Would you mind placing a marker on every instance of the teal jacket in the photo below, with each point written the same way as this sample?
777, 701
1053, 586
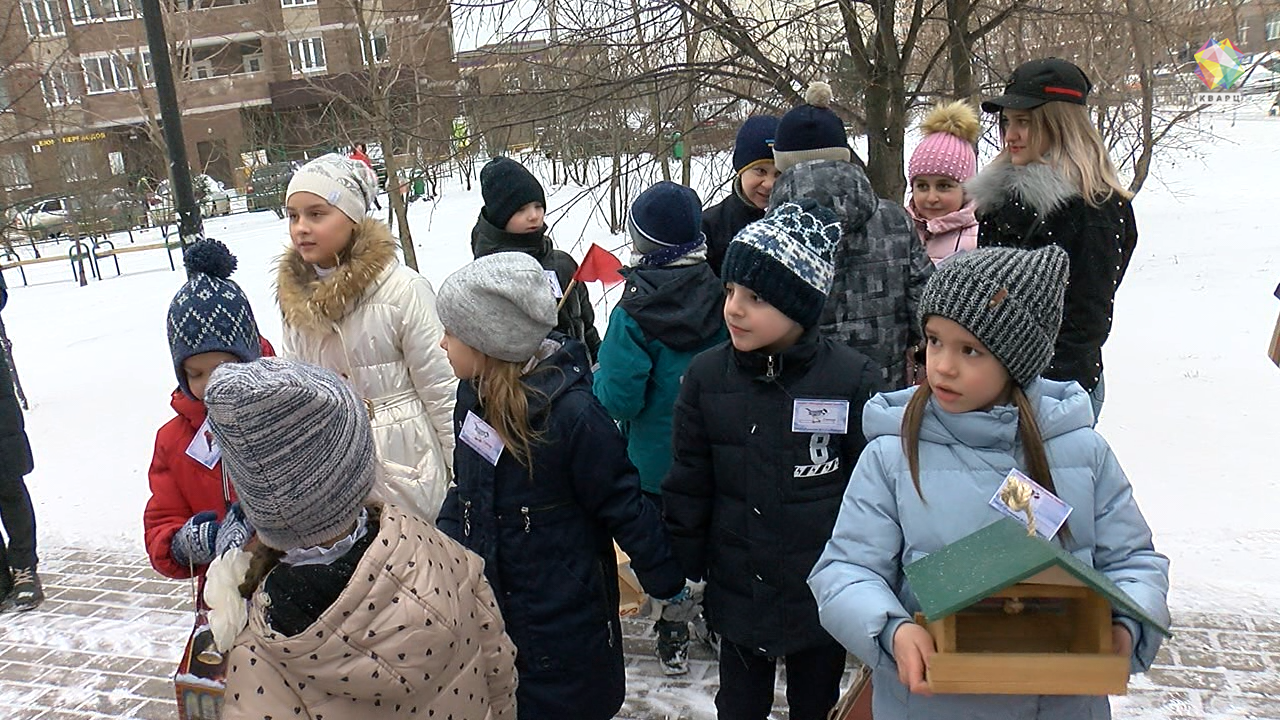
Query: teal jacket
667, 315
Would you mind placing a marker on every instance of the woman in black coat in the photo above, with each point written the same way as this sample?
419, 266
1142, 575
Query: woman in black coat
19, 585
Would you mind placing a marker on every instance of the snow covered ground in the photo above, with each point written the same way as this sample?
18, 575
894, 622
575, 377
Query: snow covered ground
1193, 403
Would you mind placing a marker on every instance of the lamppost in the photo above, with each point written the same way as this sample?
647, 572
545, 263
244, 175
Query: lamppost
190, 226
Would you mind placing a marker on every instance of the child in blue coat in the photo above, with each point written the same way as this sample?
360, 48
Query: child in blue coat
543, 489
939, 452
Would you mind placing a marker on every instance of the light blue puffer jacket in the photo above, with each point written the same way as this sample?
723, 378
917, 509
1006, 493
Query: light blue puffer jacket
883, 525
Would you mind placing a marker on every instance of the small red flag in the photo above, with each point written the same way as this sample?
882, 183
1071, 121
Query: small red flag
599, 264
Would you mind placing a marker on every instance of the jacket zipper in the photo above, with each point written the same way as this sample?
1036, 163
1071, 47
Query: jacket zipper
466, 518
772, 372
524, 510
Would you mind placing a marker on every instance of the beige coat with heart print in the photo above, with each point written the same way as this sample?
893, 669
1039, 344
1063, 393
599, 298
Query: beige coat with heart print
416, 630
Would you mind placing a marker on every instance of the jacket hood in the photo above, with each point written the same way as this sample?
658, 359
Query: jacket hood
1038, 185
562, 364
314, 304
839, 186
680, 306
958, 220
1061, 407
487, 239
357, 647
193, 411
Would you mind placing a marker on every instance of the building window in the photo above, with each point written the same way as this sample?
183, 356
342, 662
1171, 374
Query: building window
86, 11
116, 72
379, 43
253, 63
201, 69
13, 172
42, 18
292, 3
76, 163
307, 55
1273, 26
6, 102
57, 88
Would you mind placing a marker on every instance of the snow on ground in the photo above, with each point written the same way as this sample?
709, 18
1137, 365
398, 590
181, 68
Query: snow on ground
1193, 401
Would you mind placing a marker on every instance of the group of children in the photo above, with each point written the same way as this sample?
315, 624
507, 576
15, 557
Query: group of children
761, 481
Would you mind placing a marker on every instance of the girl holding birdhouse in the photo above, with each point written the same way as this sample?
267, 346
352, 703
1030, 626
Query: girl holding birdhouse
937, 458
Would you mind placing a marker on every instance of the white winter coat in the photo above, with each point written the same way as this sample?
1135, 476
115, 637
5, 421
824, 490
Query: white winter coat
374, 321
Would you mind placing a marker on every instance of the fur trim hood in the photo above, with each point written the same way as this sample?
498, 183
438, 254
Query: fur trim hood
314, 304
1038, 185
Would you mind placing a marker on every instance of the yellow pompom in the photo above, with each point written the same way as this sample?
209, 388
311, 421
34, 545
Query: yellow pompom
954, 118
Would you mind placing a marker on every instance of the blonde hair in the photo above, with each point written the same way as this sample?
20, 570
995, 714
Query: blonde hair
505, 399
1069, 143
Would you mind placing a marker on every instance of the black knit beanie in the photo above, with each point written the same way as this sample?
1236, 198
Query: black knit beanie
507, 186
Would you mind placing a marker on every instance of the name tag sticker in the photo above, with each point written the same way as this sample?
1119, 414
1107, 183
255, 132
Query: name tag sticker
554, 281
481, 437
1049, 510
820, 416
203, 448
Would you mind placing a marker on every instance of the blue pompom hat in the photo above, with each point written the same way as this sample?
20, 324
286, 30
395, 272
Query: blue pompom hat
210, 313
787, 258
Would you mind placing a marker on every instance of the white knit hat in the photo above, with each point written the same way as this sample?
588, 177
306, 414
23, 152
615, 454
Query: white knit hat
346, 184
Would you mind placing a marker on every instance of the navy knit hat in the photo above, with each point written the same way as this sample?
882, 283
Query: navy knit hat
1010, 299
754, 143
210, 313
665, 223
786, 258
811, 131
507, 186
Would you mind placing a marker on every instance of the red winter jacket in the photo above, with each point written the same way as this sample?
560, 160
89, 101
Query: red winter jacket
180, 485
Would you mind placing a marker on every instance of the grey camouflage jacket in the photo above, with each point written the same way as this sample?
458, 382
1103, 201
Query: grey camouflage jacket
880, 265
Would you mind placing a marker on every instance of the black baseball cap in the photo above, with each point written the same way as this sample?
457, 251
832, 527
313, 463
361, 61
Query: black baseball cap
1037, 82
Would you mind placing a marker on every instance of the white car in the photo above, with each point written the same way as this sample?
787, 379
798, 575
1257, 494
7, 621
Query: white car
42, 219
212, 196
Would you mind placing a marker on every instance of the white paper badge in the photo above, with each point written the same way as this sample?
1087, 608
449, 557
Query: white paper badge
1050, 511
820, 416
203, 448
481, 437
554, 281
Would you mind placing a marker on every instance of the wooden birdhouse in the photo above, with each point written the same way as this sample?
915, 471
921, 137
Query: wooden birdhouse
1013, 614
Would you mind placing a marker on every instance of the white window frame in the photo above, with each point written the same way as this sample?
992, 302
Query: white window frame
201, 69
112, 73
374, 37
13, 172
307, 55
252, 59
6, 100
55, 84
296, 3
91, 11
75, 160
1273, 26
43, 18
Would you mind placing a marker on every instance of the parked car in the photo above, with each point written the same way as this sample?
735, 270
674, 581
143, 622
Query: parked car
266, 187
211, 196
40, 219
109, 210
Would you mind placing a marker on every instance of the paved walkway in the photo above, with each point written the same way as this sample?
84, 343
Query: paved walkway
105, 643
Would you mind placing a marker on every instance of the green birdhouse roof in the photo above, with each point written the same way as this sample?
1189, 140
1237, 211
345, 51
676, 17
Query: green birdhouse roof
996, 557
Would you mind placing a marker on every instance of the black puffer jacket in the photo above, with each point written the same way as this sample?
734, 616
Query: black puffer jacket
751, 504
1035, 206
577, 317
722, 221
15, 451
547, 540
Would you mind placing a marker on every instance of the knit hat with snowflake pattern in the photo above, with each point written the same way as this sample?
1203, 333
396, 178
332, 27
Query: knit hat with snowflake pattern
210, 313
786, 258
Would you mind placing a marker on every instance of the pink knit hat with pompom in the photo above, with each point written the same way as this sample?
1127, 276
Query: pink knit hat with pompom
947, 149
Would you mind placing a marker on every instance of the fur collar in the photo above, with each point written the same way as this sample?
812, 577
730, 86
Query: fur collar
1038, 185
313, 304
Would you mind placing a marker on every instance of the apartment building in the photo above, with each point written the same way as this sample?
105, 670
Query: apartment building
257, 81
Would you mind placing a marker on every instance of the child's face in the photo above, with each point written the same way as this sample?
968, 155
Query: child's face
466, 361
757, 183
198, 368
936, 195
755, 324
319, 231
527, 219
963, 374
1015, 129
